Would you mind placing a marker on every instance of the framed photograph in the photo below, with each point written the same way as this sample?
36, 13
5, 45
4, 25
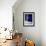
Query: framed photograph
29, 19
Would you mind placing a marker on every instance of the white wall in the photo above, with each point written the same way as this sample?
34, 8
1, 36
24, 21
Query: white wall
43, 22
6, 13
33, 33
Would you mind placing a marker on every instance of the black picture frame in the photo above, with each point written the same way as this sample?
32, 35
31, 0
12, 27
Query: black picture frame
28, 19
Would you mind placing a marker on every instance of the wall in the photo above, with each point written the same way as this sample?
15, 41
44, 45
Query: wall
6, 13
32, 33
43, 22
6, 16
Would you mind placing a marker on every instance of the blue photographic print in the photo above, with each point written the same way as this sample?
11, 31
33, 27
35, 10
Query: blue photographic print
28, 17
